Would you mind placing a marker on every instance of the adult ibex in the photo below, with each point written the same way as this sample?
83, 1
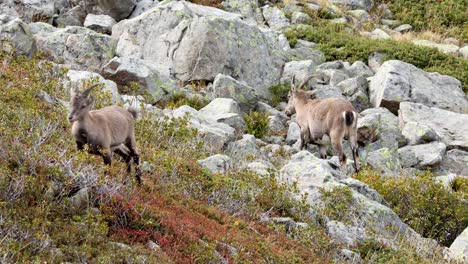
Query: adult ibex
109, 129
335, 118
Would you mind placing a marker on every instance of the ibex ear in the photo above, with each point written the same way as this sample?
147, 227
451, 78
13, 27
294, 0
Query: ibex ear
310, 94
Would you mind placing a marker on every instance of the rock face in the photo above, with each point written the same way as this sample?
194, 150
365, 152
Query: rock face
78, 47
398, 81
124, 71
192, 42
18, 34
449, 126
455, 161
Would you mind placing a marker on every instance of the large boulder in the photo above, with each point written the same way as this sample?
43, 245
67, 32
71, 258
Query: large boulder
398, 81
143, 6
449, 126
379, 128
385, 161
422, 156
192, 42
18, 36
275, 18
355, 90
455, 161
243, 150
217, 163
418, 133
227, 87
73, 17
224, 110
77, 47
214, 134
124, 71
36, 10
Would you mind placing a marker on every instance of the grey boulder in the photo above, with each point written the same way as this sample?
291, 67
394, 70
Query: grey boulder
398, 81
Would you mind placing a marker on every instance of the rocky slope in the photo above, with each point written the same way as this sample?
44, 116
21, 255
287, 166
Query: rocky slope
411, 120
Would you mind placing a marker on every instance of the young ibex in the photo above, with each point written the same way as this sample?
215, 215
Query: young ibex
105, 130
333, 118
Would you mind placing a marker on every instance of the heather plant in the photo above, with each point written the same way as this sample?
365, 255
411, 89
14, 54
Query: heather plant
256, 123
432, 211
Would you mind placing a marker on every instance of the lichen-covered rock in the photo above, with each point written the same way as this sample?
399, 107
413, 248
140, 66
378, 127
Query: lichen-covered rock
398, 81
344, 234
449, 126
124, 71
299, 69
18, 35
36, 10
275, 18
225, 110
217, 163
418, 133
100, 23
379, 34
192, 42
305, 53
227, 87
301, 18
82, 79
73, 17
359, 68
375, 60
379, 128
38, 27
294, 133
77, 47
355, 90
214, 134
249, 9
422, 156
360, 14
244, 150
384, 161
261, 168
403, 28
455, 161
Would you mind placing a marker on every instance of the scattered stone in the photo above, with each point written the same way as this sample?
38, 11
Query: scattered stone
82, 79
384, 161
217, 163
100, 23
227, 87
275, 18
360, 14
403, 28
458, 251
445, 48
379, 34
418, 133
301, 18
18, 34
73, 17
225, 110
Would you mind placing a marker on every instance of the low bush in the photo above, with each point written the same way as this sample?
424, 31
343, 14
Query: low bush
423, 204
336, 44
256, 123
279, 93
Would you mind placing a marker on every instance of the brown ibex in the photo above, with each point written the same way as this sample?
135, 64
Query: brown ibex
109, 129
318, 119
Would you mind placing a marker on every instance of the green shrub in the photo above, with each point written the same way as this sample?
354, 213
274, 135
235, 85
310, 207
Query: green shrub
256, 123
423, 204
336, 44
279, 93
180, 99
448, 17
337, 202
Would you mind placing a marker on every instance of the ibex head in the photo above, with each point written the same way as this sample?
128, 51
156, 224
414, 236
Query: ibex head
297, 93
80, 104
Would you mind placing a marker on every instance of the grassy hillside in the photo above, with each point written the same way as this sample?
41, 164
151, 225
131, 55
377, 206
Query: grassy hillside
189, 212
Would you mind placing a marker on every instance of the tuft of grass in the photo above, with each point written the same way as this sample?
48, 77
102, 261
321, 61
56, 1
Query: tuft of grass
337, 202
431, 211
337, 44
256, 123
279, 93
180, 99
